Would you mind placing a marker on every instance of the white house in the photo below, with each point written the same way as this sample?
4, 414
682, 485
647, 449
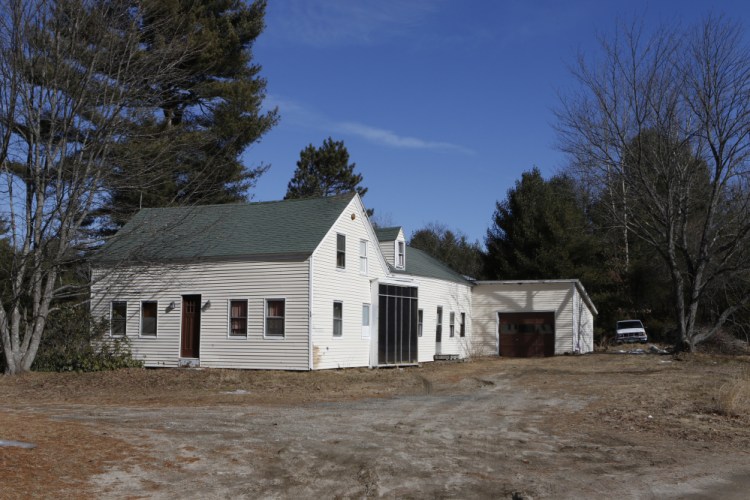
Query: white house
298, 285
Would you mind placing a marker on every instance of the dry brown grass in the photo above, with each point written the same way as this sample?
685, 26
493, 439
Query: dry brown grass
67, 454
722, 342
733, 397
698, 400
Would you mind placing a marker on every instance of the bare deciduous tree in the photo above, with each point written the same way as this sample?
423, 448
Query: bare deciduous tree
661, 127
73, 84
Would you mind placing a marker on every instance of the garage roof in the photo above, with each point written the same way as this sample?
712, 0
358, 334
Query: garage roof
575, 282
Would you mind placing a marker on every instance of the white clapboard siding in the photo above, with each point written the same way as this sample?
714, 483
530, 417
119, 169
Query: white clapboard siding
217, 282
560, 297
348, 286
453, 297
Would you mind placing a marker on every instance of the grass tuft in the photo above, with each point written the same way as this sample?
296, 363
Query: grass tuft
733, 398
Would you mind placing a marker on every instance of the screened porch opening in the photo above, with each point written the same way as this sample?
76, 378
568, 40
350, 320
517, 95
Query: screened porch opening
397, 324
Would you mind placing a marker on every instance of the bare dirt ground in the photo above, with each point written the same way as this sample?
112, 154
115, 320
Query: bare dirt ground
595, 426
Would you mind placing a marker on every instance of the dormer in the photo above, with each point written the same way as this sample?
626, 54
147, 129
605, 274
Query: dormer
392, 245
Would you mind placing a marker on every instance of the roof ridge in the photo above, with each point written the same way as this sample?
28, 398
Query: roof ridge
283, 227
254, 203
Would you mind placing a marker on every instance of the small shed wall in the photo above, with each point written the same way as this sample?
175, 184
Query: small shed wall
561, 298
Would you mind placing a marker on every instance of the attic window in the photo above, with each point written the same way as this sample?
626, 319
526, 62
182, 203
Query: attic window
363, 256
400, 257
340, 251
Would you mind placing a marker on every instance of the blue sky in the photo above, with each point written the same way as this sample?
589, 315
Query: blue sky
442, 104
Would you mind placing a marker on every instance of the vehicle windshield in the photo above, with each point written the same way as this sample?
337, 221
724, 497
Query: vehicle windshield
621, 325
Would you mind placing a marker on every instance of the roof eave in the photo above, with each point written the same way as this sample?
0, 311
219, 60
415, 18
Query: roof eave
276, 257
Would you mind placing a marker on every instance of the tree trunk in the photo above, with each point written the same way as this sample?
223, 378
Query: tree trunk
20, 347
626, 245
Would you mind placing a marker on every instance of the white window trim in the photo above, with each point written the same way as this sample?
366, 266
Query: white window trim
111, 317
140, 320
364, 258
369, 319
451, 324
340, 268
333, 318
462, 325
247, 320
439, 321
265, 312
420, 333
396, 253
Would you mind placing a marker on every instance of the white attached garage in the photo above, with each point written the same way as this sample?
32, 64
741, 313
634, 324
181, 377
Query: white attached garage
532, 318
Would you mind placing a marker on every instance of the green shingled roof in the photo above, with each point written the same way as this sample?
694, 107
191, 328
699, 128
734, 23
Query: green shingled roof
277, 228
419, 263
387, 233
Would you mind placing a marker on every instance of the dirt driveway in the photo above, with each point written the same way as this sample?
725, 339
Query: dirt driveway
597, 426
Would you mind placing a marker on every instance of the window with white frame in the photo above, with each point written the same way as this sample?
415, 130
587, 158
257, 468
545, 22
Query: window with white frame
363, 256
148, 318
462, 326
439, 325
274, 318
338, 319
238, 318
452, 324
365, 320
118, 319
400, 254
420, 322
340, 251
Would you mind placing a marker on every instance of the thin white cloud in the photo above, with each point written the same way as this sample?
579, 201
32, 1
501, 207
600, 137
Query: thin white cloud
325, 23
390, 138
293, 112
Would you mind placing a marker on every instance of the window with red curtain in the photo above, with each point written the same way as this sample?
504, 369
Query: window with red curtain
238, 318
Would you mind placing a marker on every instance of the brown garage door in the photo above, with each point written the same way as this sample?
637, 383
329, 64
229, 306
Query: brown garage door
524, 335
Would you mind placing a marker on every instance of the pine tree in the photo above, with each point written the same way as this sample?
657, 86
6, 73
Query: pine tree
453, 248
199, 131
324, 171
540, 231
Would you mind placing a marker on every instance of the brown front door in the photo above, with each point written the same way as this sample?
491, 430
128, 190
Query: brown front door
191, 326
524, 335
